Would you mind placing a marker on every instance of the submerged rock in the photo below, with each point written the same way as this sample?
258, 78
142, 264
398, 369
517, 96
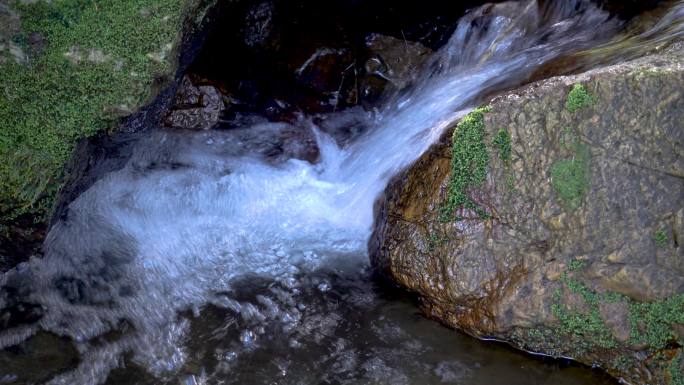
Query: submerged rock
37, 359
558, 226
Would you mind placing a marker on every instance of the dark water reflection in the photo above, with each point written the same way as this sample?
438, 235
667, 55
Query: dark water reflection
337, 327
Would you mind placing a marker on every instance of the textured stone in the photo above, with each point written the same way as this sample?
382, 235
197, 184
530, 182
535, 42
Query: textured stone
196, 107
512, 275
392, 65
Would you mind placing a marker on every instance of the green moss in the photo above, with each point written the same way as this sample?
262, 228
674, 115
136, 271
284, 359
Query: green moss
675, 369
612, 297
581, 329
98, 64
434, 241
622, 363
652, 322
576, 264
469, 163
502, 141
540, 339
589, 326
568, 136
570, 177
578, 98
586, 324
660, 238
510, 181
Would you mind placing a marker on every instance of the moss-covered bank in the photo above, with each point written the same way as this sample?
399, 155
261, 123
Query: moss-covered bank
70, 69
97, 61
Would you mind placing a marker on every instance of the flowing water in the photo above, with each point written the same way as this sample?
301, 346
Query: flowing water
206, 259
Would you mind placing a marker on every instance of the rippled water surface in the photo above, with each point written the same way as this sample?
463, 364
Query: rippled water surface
349, 330
221, 257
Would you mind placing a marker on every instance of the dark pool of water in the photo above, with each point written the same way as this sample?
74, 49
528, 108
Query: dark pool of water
343, 328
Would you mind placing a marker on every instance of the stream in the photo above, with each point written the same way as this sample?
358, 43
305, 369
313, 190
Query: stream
208, 260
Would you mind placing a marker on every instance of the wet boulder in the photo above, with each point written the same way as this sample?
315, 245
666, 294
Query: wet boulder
329, 73
569, 242
195, 107
275, 143
392, 65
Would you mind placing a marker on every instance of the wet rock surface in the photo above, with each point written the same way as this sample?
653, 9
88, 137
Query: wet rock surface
313, 57
392, 65
195, 107
571, 246
37, 359
324, 73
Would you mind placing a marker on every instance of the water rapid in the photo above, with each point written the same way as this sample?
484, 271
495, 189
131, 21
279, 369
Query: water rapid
204, 246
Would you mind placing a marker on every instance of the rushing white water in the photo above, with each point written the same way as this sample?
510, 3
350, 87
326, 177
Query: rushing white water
192, 212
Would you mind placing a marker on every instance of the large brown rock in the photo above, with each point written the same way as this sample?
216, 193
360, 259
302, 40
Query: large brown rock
570, 247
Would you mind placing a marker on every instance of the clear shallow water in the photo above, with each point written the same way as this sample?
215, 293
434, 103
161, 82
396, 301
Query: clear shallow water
220, 257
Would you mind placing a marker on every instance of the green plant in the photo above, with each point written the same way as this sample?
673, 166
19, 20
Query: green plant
660, 238
510, 181
570, 177
612, 297
651, 322
675, 369
99, 62
578, 98
434, 241
576, 264
622, 363
568, 136
469, 163
586, 323
502, 141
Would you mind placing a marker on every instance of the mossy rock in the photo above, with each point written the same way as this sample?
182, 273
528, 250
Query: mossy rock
582, 258
83, 66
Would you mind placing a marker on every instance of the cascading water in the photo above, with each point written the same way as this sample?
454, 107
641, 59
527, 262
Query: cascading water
202, 256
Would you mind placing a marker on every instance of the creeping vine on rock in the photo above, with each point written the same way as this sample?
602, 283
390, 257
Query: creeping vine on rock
469, 163
651, 323
570, 177
578, 98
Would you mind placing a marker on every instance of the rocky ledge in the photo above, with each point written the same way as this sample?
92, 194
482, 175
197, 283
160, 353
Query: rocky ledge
552, 219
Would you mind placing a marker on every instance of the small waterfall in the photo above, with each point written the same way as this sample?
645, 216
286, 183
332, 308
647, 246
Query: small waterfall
193, 214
